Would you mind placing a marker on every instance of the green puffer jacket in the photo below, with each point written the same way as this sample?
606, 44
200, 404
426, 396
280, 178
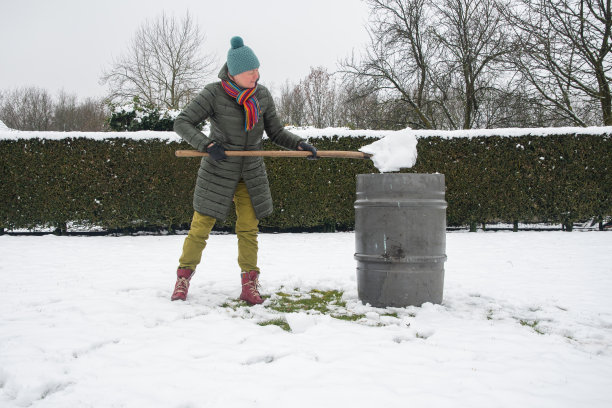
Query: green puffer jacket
217, 180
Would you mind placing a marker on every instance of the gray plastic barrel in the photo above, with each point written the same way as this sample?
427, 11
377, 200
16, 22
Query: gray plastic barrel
400, 238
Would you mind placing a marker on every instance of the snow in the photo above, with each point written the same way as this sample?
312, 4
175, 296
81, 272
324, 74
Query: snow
4, 128
169, 137
394, 151
526, 321
313, 133
310, 132
143, 113
129, 108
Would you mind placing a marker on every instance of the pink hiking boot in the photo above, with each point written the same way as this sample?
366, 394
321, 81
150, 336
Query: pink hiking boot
183, 276
250, 288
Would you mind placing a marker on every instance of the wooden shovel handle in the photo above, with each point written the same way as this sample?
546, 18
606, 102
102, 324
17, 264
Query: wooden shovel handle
340, 154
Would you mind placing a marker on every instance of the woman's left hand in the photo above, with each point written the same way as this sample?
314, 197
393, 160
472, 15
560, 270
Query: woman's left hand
306, 146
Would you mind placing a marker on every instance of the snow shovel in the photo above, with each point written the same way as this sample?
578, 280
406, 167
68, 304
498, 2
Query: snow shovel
338, 154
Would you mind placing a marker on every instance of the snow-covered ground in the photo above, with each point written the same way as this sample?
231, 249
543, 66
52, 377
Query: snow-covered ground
87, 322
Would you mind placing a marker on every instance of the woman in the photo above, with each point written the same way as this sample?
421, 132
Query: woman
239, 110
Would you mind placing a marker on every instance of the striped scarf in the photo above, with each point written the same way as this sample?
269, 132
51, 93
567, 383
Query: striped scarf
246, 98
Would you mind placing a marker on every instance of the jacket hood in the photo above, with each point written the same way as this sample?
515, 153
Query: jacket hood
224, 73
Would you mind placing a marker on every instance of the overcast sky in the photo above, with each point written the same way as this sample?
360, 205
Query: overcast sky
57, 44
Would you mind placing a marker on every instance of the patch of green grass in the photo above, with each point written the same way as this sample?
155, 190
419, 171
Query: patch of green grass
236, 304
316, 300
350, 318
532, 324
232, 304
282, 323
321, 301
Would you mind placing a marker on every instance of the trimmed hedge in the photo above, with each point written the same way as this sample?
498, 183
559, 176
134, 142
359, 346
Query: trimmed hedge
560, 178
125, 184
116, 183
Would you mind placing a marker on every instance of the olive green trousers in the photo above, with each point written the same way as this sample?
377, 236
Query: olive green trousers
246, 230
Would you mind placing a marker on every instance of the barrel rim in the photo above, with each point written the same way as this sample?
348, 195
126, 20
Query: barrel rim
425, 259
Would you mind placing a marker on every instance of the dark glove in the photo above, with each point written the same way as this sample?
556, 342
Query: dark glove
307, 147
216, 152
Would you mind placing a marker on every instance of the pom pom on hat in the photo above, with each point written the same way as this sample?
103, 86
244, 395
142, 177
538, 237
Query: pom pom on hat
237, 42
240, 58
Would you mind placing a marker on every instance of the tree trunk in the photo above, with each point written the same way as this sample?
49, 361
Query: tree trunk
606, 98
470, 104
61, 229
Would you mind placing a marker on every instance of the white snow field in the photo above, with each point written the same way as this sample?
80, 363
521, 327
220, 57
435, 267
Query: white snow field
88, 322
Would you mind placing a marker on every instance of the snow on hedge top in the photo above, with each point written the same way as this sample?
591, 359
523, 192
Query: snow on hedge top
3, 127
141, 135
394, 150
313, 133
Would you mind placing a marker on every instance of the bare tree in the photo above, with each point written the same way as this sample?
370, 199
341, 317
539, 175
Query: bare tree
291, 105
360, 107
437, 57
320, 98
328, 104
89, 115
93, 114
399, 56
163, 66
65, 116
472, 39
565, 54
27, 109
34, 109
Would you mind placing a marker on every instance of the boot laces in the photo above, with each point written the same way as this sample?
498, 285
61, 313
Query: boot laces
253, 286
182, 284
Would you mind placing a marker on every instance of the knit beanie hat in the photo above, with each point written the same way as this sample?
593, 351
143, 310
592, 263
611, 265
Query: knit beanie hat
240, 58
